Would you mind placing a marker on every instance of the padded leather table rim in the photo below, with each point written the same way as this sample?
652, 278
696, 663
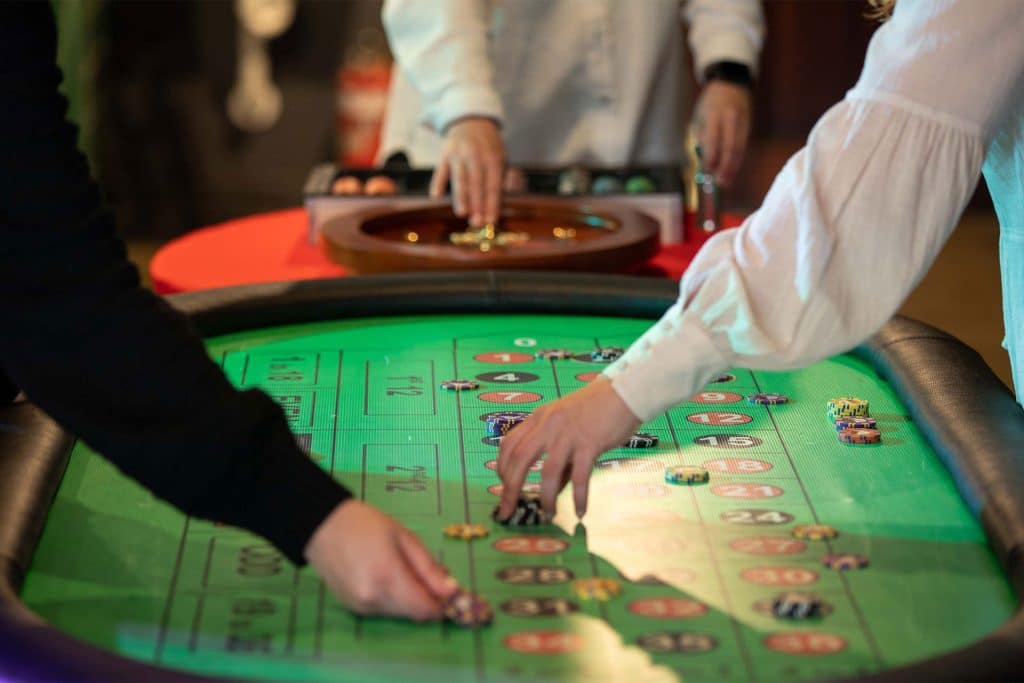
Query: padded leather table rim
964, 411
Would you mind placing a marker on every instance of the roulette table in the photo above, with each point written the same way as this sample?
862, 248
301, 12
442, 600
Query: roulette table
101, 582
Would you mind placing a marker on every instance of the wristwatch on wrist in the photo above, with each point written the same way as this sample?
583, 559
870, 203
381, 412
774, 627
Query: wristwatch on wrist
729, 72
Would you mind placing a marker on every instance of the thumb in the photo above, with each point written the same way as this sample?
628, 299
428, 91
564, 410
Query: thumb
432, 575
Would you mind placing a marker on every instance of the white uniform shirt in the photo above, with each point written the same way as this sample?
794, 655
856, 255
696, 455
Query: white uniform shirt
856, 218
601, 82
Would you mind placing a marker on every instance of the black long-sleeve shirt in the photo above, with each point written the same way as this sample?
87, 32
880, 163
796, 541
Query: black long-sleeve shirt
108, 360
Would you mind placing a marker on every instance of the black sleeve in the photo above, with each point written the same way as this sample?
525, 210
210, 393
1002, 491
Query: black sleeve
108, 360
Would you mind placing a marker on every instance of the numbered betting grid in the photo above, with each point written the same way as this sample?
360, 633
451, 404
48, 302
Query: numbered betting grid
429, 462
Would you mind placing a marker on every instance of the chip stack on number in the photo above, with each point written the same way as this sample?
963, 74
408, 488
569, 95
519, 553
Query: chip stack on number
468, 610
596, 588
500, 424
846, 406
686, 474
528, 512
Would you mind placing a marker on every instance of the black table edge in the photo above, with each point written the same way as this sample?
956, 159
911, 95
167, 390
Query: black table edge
964, 411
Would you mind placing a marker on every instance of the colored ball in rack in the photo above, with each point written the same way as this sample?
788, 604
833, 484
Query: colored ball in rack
347, 185
640, 184
606, 184
380, 185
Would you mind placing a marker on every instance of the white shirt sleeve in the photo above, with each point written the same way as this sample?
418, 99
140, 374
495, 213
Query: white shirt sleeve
855, 219
724, 30
442, 47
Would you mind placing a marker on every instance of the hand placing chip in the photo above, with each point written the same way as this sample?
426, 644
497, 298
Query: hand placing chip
573, 431
473, 159
376, 566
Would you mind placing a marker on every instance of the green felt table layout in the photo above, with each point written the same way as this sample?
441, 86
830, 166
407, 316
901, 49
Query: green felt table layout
125, 572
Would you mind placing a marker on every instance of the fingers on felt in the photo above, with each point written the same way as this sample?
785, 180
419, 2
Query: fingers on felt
434, 576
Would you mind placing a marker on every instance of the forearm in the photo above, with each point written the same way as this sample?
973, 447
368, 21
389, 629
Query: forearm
442, 47
108, 360
844, 234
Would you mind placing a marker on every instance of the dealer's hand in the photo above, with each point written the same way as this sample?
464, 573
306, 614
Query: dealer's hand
573, 431
375, 565
722, 120
473, 158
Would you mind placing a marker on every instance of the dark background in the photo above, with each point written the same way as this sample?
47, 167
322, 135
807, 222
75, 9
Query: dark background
170, 160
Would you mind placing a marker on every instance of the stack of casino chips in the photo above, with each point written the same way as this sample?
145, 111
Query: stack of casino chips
852, 422
459, 385
606, 354
528, 512
686, 474
596, 588
794, 605
468, 610
641, 440
553, 354
500, 424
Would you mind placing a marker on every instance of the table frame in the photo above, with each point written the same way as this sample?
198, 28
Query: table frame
966, 414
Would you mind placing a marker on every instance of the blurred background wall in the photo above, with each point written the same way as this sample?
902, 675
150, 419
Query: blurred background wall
149, 82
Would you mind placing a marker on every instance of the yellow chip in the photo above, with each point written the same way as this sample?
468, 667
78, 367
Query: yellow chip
466, 532
847, 406
596, 588
814, 532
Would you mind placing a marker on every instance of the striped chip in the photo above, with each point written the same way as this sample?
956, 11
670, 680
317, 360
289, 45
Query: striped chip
596, 588
686, 474
855, 422
466, 532
859, 436
814, 532
847, 406
553, 354
459, 385
845, 561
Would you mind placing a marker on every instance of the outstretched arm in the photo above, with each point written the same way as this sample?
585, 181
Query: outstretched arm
849, 227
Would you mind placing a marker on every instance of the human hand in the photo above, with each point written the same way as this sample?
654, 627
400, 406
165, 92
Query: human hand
375, 565
722, 120
573, 431
473, 158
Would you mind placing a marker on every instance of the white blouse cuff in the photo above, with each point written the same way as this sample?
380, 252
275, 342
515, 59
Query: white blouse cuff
647, 379
462, 101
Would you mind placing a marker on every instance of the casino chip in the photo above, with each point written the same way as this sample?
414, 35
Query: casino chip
768, 399
467, 532
860, 436
468, 610
846, 406
606, 184
855, 422
814, 532
459, 385
607, 354
686, 474
844, 561
793, 605
641, 440
501, 423
596, 588
528, 512
553, 354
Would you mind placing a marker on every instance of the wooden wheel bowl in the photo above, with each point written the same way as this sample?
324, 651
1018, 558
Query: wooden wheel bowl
383, 241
